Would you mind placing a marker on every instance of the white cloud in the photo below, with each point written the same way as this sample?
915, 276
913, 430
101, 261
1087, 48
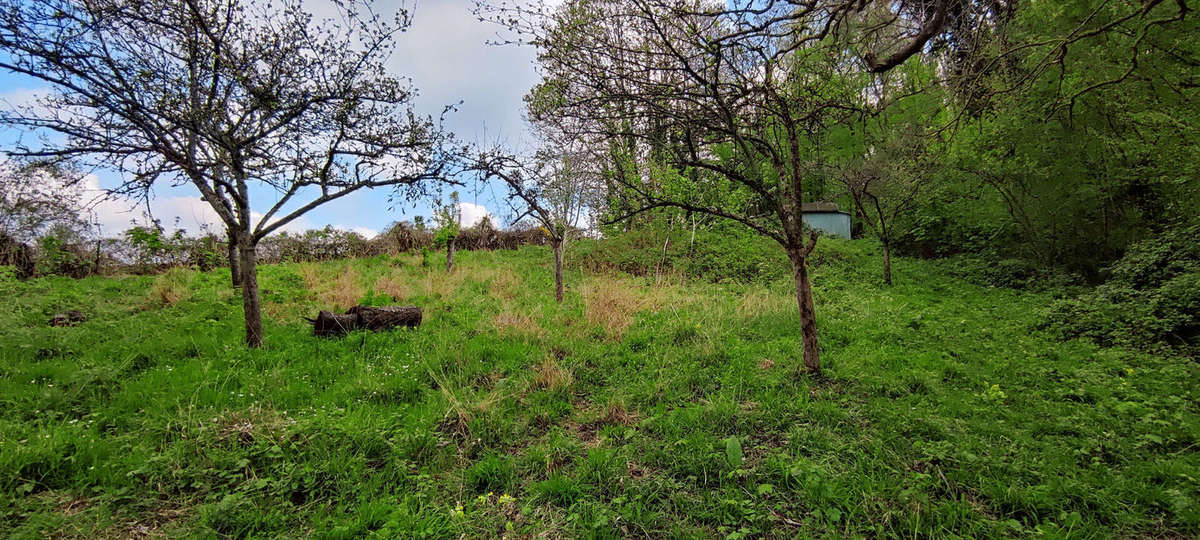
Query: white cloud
365, 232
471, 214
20, 99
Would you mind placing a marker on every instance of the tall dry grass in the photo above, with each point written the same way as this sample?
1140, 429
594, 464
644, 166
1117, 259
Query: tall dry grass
339, 291
393, 286
514, 322
761, 301
170, 287
550, 375
612, 302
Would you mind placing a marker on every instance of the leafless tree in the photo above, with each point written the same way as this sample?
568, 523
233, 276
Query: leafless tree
239, 99
888, 181
34, 199
554, 187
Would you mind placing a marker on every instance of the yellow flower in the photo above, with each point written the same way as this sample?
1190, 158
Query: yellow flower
505, 499
457, 512
1129, 371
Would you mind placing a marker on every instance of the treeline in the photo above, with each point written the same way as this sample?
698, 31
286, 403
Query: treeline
1047, 166
142, 250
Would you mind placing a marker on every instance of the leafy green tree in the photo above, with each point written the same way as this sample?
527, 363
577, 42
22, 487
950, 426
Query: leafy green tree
711, 99
448, 218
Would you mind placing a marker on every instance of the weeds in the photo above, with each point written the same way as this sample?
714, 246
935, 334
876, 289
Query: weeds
170, 287
549, 375
639, 408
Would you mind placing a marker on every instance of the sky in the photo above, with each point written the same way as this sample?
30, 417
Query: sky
445, 53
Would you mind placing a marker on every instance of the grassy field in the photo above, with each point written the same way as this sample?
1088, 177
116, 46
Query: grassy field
640, 407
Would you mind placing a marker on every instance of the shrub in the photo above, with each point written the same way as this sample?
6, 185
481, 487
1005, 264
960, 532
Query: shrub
1151, 301
721, 252
1001, 272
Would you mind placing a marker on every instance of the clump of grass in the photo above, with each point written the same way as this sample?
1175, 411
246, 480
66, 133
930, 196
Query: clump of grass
550, 375
392, 286
759, 301
170, 287
513, 322
441, 284
340, 289
504, 284
611, 304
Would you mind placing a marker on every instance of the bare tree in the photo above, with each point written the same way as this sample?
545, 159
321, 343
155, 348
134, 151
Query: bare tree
236, 98
887, 181
34, 199
553, 187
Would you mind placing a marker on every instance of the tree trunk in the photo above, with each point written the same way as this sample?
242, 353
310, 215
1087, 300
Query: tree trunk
450, 255
365, 317
808, 317
887, 262
251, 303
235, 270
558, 270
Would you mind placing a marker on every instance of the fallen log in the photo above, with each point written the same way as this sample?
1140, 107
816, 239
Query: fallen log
384, 317
365, 317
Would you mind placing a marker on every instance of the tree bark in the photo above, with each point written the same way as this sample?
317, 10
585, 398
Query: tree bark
887, 262
251, 303
450, 255
808, 318
386, 317
235, 270
365, 317
558, 270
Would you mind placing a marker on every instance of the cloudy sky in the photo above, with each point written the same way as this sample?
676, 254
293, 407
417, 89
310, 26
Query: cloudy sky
445, 53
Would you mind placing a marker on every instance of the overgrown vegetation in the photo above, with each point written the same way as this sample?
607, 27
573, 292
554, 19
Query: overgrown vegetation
1151, 301
660, 406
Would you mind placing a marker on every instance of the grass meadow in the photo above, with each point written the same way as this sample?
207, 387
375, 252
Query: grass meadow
653, 407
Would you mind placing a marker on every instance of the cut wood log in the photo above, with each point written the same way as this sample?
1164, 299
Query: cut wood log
384, 317
365, 317
333, 324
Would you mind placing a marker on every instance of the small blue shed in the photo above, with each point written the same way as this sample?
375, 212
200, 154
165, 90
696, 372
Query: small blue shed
825, 217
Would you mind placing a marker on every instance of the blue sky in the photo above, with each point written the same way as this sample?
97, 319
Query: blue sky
445, 53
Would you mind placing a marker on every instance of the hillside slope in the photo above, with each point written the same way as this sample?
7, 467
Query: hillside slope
643, 407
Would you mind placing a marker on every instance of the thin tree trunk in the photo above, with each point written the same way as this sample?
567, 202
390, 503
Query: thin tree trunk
251, 303
887, 262
808, 317
558, 270
235, 267
692, 242
450, 255
886, 238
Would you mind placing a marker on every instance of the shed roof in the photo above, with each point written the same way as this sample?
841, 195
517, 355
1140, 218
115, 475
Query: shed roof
821, 206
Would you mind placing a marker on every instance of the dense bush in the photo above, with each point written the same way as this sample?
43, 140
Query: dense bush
144, 250
723, 252
1013, 273
1151, 300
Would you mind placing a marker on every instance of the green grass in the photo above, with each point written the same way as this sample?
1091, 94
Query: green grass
639, 407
